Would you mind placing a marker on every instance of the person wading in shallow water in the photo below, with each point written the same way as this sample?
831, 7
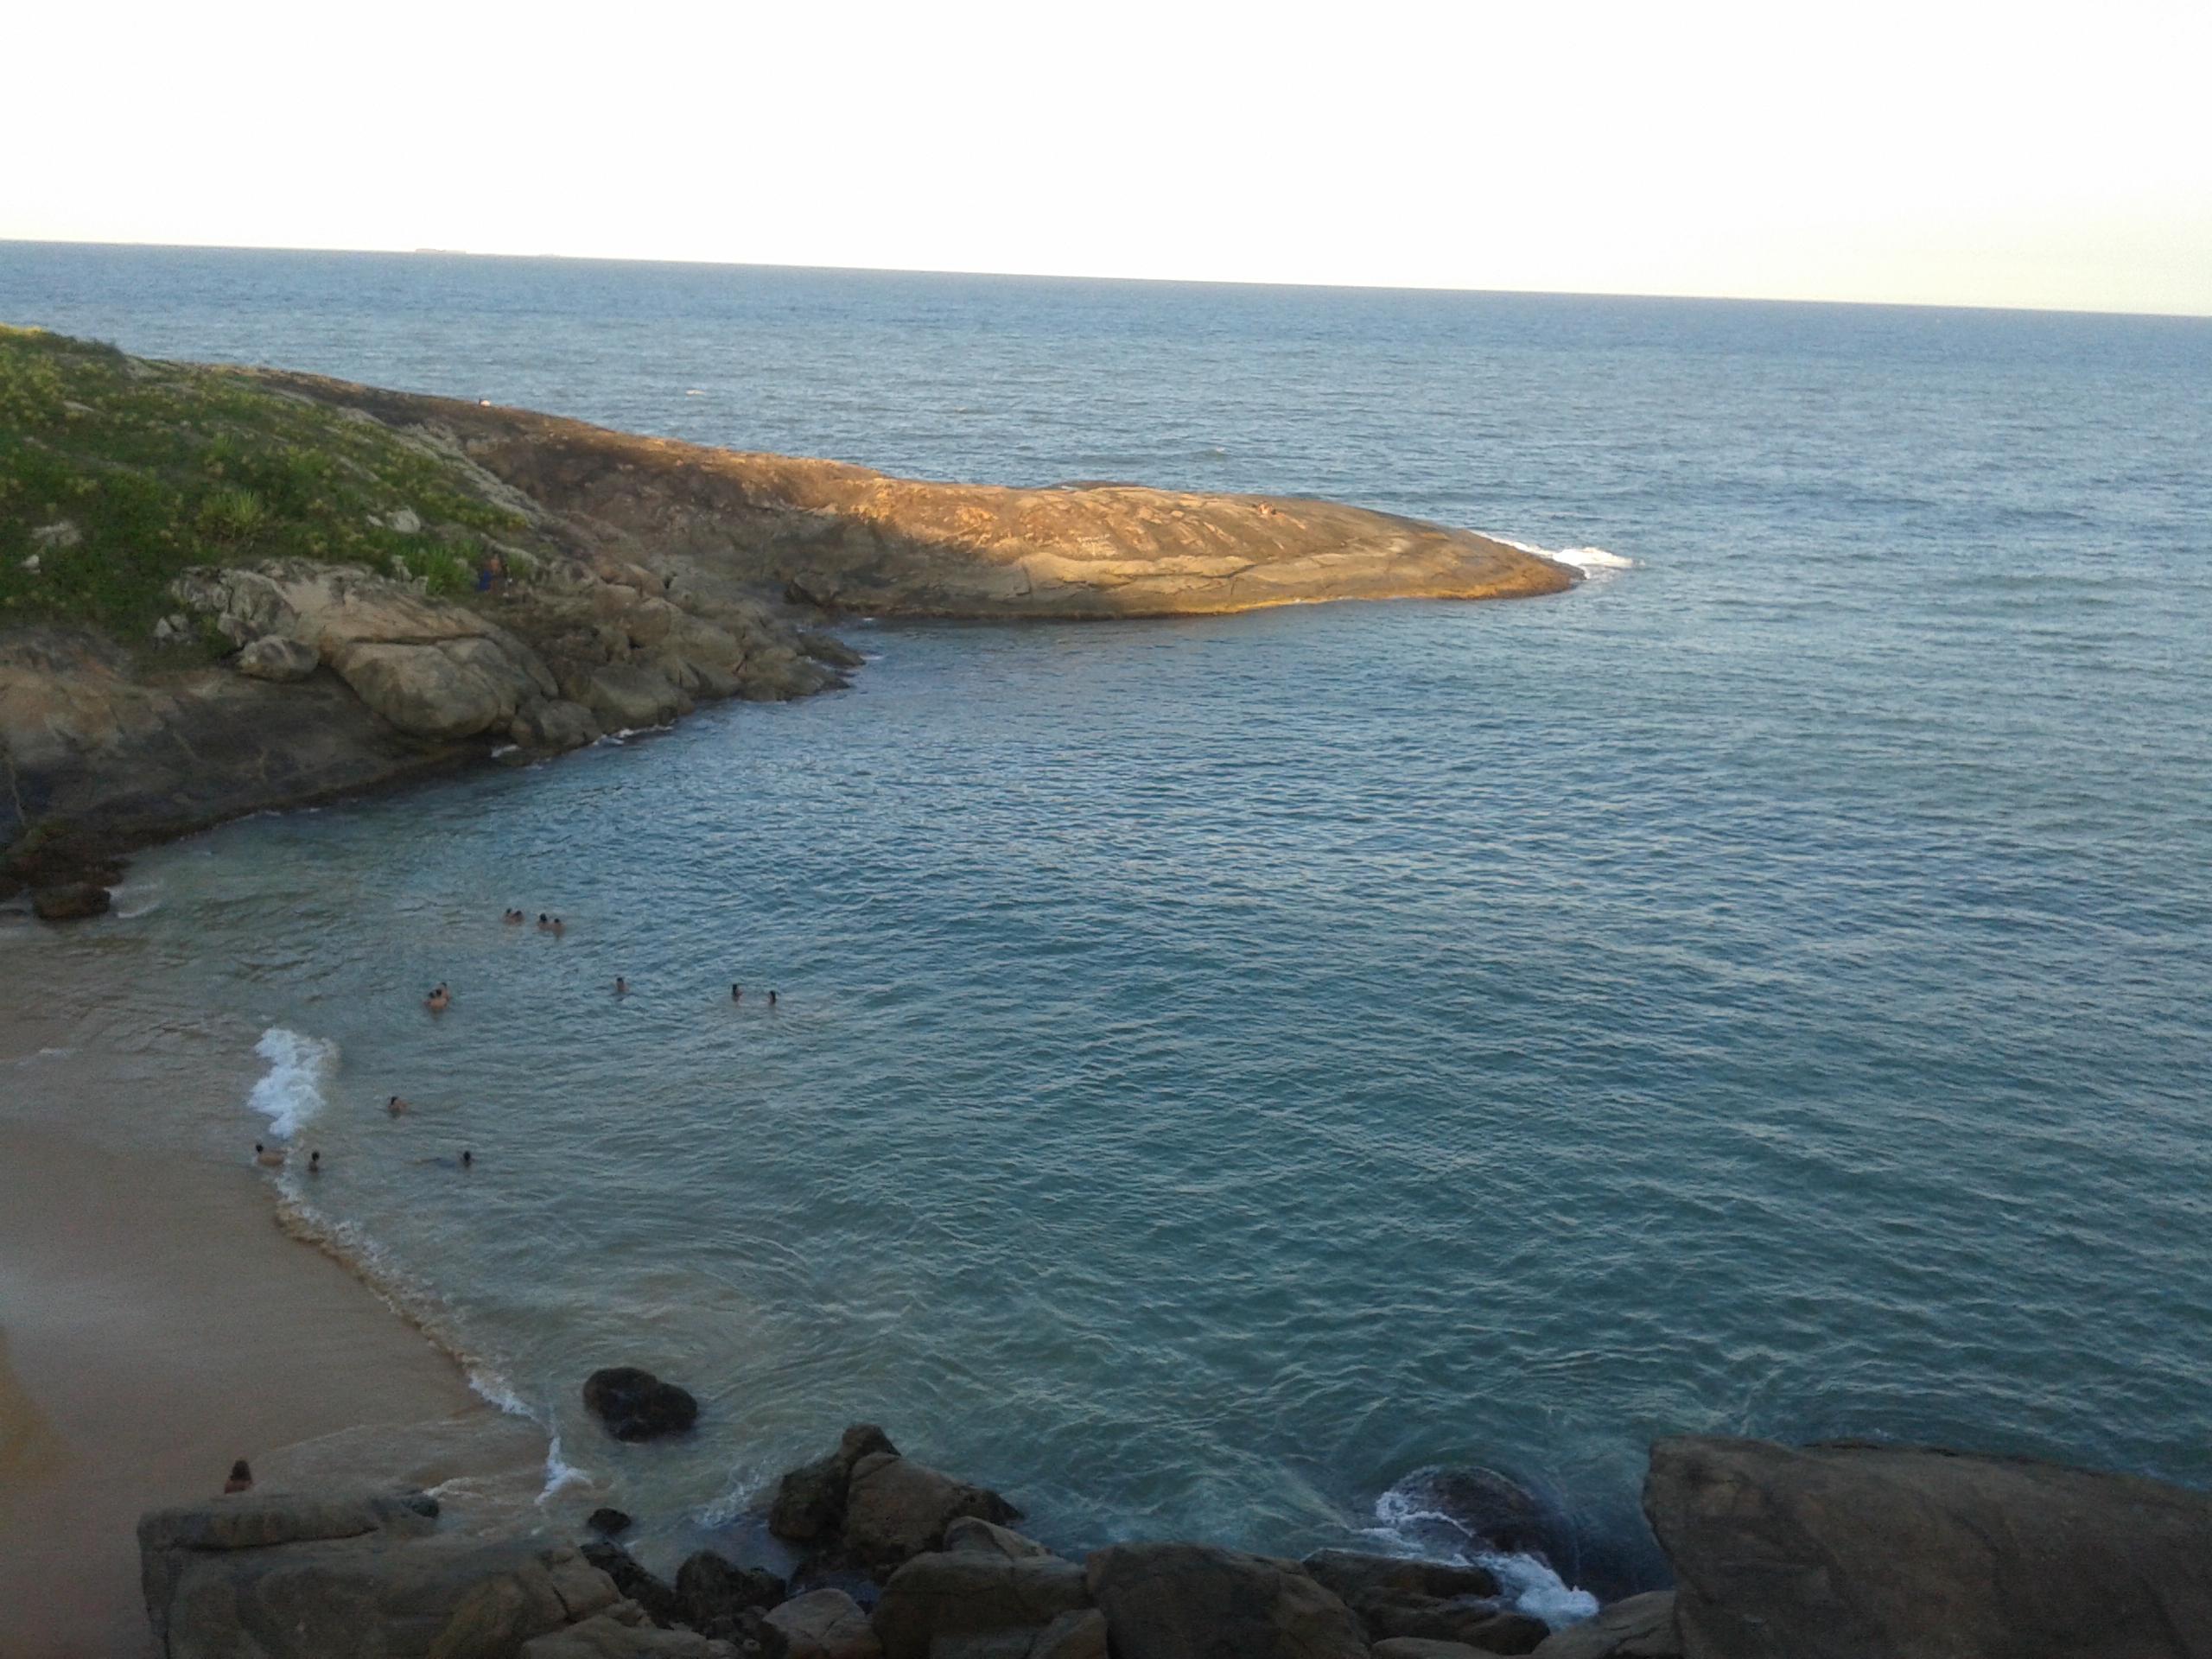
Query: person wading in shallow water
737, 993
241, 1479
439, 1000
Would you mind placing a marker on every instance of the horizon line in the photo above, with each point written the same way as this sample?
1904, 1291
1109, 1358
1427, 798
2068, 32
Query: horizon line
1080, 277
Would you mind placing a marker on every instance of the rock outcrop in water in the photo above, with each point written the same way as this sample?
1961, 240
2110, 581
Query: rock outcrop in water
1849, 1550
1840, 1551
635, 576
843, 537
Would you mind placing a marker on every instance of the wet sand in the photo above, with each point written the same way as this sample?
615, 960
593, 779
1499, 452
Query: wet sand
156, 1323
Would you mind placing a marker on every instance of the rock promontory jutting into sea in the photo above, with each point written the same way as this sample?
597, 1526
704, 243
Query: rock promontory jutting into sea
247, 589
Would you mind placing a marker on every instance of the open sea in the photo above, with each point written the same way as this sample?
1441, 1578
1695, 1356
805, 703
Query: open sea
1223, 1068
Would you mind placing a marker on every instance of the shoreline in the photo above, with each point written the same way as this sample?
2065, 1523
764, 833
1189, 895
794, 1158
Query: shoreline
158, 1320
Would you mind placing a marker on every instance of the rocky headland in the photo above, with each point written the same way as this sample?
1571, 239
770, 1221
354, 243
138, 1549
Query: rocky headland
224, 591
1835, 1551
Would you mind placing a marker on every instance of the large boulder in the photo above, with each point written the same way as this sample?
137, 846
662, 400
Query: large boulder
825, 1624
448, 689
1192, 1601
635, 1405
612, 1635
810, 1504
70, 901
972, 1533
284, 1576
277, 659
1638, 1627
972, 1591
896, 1509
1853, 1551
628, 696
653, 1596
1396, 1596
715, 1595
552, 723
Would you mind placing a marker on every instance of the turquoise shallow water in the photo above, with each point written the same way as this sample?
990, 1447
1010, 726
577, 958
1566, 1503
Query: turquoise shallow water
1225, 1067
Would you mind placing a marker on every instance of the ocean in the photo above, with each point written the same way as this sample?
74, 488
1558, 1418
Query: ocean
1222, 1069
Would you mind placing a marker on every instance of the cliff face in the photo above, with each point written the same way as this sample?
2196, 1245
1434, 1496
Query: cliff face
846, 537
224, 590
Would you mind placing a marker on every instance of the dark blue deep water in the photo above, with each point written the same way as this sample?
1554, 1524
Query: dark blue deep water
1225, 1067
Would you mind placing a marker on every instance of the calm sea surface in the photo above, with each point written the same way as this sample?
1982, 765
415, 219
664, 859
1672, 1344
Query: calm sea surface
1222, 1067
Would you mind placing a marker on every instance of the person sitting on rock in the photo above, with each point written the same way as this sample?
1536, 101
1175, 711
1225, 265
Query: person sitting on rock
268, 1157
241, 1479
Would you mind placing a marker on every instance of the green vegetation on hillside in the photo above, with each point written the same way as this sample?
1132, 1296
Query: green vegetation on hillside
116, 475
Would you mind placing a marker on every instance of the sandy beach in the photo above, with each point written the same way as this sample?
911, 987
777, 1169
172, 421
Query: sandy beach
156, 1322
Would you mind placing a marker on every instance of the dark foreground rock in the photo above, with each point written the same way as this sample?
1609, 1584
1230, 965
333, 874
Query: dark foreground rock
635, 1405
1639, 1627
281, 1576
654, 1597
1433, 1601
720, 1599
810, 1504
994, 1585
1190, 1601
69, 901
1852, 1551
825, 1624
896, 1509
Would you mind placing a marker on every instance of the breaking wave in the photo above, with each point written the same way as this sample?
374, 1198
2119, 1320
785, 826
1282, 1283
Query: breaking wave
1408, 1524
291, 1094
1588, 560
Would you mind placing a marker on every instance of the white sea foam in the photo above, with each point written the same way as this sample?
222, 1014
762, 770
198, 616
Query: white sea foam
1537, 1591
292, 1092
1587, 560
1530, 1584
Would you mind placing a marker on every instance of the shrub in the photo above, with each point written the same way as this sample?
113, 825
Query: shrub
233, 515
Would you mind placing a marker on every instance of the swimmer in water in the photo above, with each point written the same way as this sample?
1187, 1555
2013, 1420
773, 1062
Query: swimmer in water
315, 1163
621, 986
395, 1106
544, 923
771, 999
513, 918
268, 1157
241, 1479
559, 927
468, 1158
439, 1000
737, 993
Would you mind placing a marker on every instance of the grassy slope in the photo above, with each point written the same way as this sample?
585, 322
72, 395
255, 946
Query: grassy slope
160, 467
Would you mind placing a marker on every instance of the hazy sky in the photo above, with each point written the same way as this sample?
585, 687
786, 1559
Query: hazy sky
1998, 155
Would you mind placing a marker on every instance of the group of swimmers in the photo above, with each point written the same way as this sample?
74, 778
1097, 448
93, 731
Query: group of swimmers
552, 925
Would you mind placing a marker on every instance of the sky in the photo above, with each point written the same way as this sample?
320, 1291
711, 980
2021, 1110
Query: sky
2018, 155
